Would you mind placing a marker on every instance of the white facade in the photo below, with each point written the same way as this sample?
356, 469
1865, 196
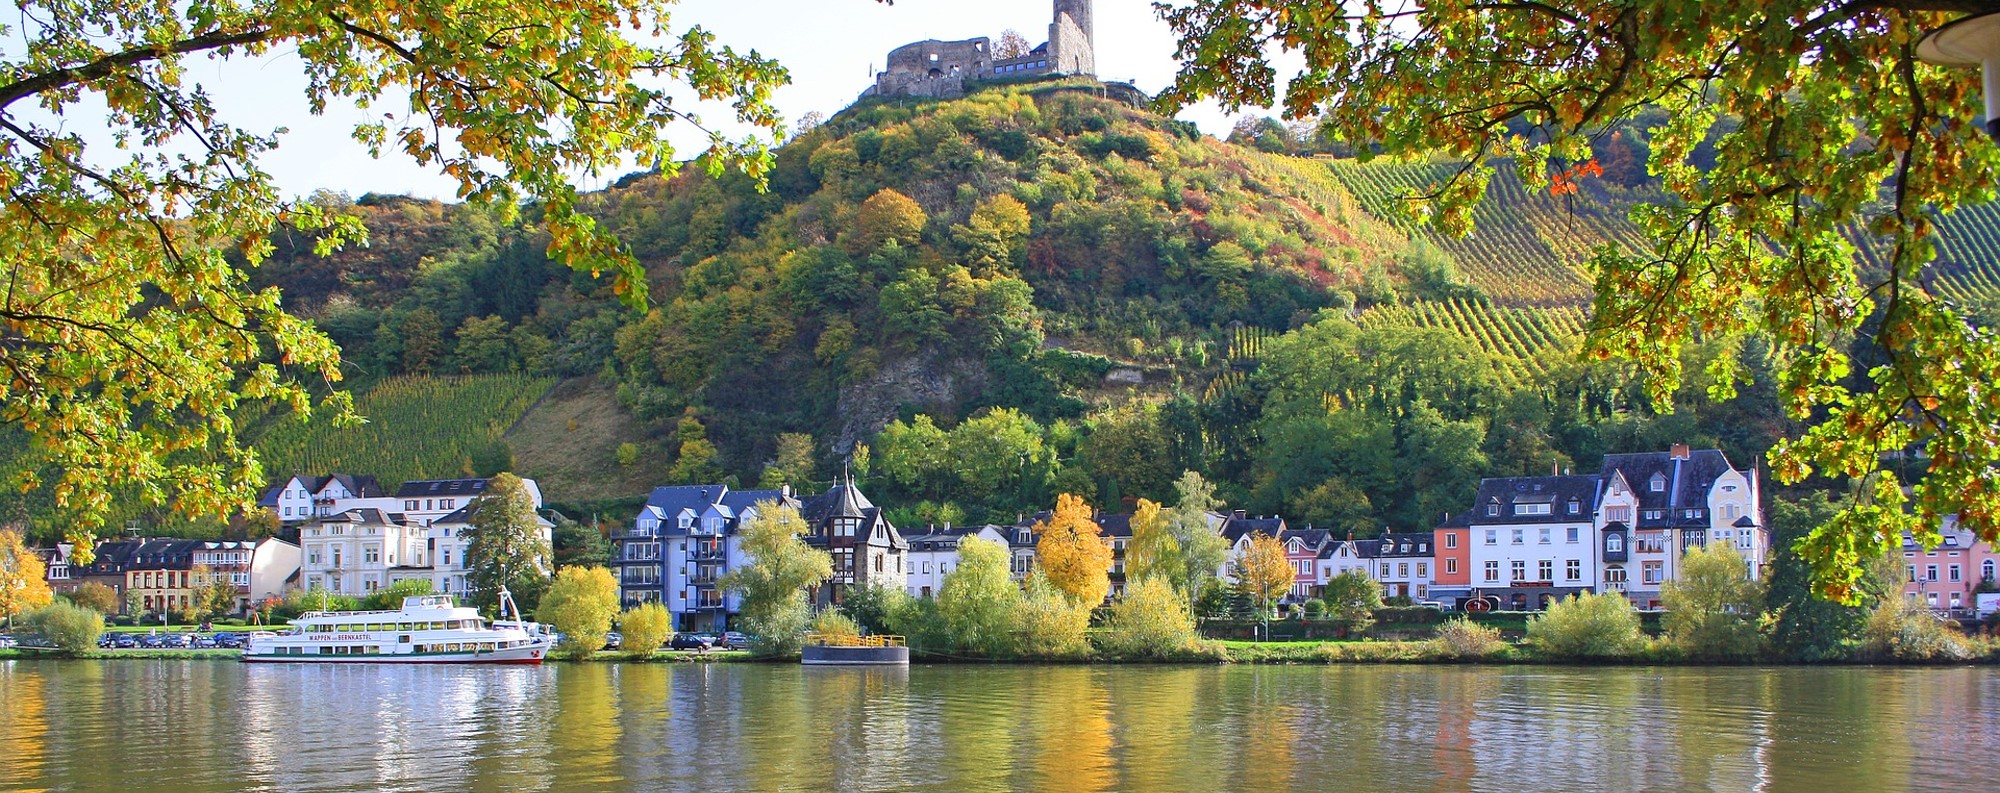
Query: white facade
351, 552
932, 556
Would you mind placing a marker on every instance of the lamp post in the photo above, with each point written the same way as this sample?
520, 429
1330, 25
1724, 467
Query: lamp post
1972, 41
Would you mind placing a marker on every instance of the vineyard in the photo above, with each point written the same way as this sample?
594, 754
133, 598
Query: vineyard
1527, 247
1524, 342
417, 427
1968, 263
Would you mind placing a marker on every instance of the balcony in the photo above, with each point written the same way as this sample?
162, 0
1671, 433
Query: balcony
705, 552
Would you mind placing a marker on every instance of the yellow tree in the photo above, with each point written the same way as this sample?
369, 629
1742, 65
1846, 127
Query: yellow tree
132, 329
1264, 572
1153, 551
581, 604
1072, 553
645, 627
24, 584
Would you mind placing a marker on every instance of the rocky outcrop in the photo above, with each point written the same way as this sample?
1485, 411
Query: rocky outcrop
933, 383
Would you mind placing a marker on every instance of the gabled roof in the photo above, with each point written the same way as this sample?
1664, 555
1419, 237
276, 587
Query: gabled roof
1556, 491
1237, 525
1115, 525
1406, 544
1688, 480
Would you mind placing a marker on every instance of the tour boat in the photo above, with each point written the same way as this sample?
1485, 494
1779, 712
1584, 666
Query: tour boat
428, 629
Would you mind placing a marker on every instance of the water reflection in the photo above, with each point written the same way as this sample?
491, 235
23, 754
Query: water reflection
210, 726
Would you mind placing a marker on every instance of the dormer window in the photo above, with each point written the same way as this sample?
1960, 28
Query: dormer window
1658, 483
1575, 506
1492, 509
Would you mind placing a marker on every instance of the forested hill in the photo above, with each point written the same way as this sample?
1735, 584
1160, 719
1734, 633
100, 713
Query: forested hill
1034, 289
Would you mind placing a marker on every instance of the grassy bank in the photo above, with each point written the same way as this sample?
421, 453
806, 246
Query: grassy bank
125, 655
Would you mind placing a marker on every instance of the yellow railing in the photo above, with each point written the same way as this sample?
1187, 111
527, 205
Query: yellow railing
846, 640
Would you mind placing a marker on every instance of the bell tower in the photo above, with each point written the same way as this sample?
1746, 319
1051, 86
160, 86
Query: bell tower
1072, 47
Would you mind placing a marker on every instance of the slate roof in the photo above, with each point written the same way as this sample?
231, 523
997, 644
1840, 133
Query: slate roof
1237, 525
844, 500
1406, 544
947, 538
361, 486
1556, 491
425, 488
1115, 525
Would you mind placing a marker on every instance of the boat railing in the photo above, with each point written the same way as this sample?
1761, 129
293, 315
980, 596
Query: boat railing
850, 640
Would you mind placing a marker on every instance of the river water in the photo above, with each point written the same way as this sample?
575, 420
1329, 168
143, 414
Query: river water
188, 727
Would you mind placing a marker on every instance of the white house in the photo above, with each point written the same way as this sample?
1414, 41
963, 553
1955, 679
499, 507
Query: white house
303, 498
351, 552
935, 553
1534, 539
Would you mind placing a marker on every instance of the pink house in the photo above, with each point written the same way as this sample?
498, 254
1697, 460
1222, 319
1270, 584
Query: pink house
1944, 578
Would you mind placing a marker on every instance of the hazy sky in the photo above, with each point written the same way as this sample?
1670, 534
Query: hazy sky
830, 47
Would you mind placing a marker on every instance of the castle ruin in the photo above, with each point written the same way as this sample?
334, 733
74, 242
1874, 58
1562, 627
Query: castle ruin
940, 69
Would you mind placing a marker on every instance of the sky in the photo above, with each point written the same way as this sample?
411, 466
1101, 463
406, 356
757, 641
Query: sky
831, 48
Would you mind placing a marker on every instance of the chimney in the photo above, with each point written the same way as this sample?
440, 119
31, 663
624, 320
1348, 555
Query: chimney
1555, 468
1679, 452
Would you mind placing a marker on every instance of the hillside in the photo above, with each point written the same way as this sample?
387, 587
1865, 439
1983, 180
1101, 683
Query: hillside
1037, 288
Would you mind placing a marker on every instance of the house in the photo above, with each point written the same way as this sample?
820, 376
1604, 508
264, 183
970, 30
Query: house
935, 553
56, 570
1402, 564
865, 547
1341, 556
1679, 498
443, 560
1945, 578
351, 552
108, 568
1302, 553
302, 498
1236, 528
160, 573
258, 569
681, 543
429, 500
1021, 544
1117, 531
1451, 573
1534, 540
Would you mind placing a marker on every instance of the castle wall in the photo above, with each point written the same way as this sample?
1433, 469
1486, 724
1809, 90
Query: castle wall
934, 68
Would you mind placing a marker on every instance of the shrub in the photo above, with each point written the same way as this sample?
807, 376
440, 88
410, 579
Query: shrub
834, 624
1588, 625
1460, 637
70, 627
1711, 604
1149, 623
1050, 625
390, 598
645, 627
1902, 630
96, 597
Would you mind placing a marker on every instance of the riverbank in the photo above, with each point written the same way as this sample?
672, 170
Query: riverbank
123, 655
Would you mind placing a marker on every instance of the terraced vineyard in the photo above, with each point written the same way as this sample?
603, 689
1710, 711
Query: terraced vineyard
1527, 247
1524, 342
418, 427
1968, 264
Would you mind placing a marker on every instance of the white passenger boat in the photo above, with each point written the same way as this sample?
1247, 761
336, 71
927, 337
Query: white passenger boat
428, 629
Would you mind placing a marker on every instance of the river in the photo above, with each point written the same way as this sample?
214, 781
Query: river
189, 727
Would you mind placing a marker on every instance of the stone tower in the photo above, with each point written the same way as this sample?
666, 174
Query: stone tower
1072, 48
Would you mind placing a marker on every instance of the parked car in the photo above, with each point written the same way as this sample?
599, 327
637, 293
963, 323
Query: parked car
6, 640
708, 636
124, 641
152, 641
203, 643
734, 641
105, 641
688, 641
228, 640
613, 640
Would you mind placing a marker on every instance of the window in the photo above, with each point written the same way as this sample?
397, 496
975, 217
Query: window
371, 554
1492, 536
1423, 569
1650, 572
1517, 536
1986, 570
1690, 513
1451, 541
1574, 506
1573, 570
1955, 574
446, 557
1658, 483
446, 503
1614, 543
1930, 572
1545, 570
1618, 515
1520, 571
879, 561
1572, 533
1492, 509
1403, 570
1531, 509
1545, 535
409, 505
1451, 566
1492, 570
927, 568
1385, 569
1913, 572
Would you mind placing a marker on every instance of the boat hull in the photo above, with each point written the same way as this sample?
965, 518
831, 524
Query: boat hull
517, 655
820, 655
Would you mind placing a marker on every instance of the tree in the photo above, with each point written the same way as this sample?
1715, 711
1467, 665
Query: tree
71, 628
1152, 551
1072, 552
1351, 600
423, 340
994, 234
782, 568
644, 628
1587, 625
581, 604
1202, 551
1011, 44
888, 216
1265, 573
390, 598
1762, 192
1712, 605
96, 597
580, 544
1800, 625
1049, 624
793, 465
214, 595
1150, 622
24, 584
694, 461
484, 345
504, 547
978, 600
133, 333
